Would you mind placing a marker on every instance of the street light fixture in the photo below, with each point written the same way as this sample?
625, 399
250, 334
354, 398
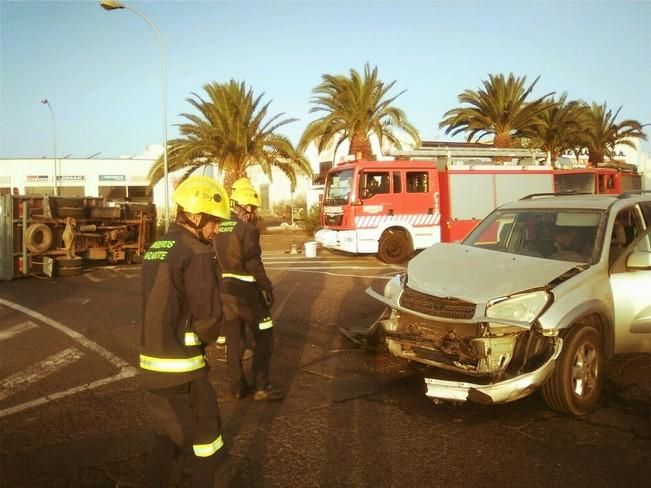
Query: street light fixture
54, 137
114, 5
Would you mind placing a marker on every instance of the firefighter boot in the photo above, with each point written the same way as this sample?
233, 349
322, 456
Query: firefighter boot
242, 390
269, 393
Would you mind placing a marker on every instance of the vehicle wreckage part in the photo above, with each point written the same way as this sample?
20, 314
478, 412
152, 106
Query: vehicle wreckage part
38, 238
501, 392
575, 385
525, 307
394, 286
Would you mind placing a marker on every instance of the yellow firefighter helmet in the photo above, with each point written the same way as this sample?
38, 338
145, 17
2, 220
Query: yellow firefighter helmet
242, 183
246, 196
202, 194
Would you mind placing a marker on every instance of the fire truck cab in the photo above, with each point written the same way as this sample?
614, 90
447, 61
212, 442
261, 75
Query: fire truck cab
392, 208
384, 207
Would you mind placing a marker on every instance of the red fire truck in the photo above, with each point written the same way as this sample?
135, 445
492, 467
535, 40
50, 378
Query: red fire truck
391, 208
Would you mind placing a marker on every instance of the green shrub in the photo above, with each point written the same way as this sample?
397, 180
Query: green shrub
312, 222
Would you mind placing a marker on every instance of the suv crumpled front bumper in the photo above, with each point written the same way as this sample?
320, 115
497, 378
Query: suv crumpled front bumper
502, 391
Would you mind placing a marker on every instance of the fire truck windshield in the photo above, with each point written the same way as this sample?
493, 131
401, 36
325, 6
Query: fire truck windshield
339, 187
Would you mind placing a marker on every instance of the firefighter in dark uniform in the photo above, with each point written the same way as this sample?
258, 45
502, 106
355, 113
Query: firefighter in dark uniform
247, 295
182, 313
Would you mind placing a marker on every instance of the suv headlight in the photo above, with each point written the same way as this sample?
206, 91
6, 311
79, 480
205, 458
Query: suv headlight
394, 286
525, 307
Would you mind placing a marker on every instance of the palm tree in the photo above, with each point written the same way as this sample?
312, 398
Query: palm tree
233, 131
356, 107
560, 128
602, 133
500, 110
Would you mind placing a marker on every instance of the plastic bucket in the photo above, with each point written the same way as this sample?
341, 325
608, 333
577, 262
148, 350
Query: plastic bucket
310, 249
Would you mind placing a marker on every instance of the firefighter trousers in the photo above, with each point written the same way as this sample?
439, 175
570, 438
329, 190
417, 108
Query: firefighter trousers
236, 343
188, 429
247, 309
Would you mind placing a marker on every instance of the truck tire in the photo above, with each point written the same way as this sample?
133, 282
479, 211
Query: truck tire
575, 385
68, 266
38, 238
69, 262
394, 247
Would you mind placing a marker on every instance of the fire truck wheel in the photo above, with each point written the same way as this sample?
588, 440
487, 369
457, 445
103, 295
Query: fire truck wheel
38, 238
394, 247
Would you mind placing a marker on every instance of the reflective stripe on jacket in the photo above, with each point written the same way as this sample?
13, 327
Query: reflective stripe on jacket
266, 323
206, 450
192, 339
247, 278
172, 365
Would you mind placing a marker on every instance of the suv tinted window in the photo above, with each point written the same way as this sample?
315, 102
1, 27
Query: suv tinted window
564, 235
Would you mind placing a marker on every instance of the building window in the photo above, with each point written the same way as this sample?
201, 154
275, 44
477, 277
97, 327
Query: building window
39, 190
140, 194
113, 193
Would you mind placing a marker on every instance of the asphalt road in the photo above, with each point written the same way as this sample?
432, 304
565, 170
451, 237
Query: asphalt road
72, 413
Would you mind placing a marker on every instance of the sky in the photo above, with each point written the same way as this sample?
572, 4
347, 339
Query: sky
101, 70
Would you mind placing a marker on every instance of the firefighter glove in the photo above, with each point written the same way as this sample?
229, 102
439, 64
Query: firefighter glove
268, 297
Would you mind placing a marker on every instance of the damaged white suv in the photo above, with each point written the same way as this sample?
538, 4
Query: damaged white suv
539, 295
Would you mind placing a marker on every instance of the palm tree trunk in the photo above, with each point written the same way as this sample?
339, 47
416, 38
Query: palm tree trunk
231, 177
360, 147
502, 141
595, 156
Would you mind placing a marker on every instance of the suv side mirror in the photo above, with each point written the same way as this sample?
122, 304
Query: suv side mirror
639, 260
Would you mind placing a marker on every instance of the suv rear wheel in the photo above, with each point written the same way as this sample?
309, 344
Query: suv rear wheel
575, 385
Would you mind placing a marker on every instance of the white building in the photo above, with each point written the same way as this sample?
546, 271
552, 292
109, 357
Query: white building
124, 179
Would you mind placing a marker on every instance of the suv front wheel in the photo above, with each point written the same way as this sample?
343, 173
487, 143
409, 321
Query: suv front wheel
575, 385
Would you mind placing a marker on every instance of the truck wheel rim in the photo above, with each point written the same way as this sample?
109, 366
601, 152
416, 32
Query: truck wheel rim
585, 370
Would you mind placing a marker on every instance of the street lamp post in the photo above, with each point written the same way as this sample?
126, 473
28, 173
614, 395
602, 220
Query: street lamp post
54, 137
114, 5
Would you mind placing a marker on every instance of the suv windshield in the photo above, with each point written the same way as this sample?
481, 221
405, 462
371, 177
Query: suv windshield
560, 234
338, 187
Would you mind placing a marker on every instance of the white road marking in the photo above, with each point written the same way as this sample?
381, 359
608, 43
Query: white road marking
21, 380
315, 270
122, 375
79, 300
331, 267
92, 277
125, 369
14, 330
308, 262
279, 308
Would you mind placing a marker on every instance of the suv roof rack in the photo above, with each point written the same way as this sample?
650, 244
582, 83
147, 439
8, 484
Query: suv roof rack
559, 194
631, 193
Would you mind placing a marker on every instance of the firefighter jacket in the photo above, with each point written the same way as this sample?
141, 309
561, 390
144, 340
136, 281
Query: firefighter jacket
237, 246
181, 309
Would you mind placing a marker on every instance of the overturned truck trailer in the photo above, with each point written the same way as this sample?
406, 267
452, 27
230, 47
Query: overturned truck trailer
59, 236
